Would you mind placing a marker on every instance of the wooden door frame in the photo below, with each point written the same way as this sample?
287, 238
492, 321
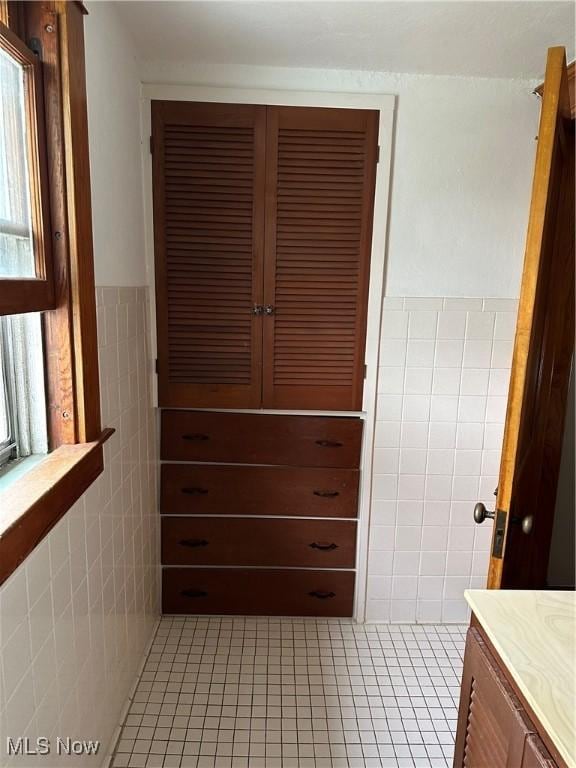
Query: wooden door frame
552, 112
571, 72
385, 104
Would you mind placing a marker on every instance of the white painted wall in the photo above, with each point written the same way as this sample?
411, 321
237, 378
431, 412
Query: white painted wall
462, 167
113, 88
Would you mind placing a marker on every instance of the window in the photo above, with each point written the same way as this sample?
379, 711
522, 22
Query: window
16, 245
23, 429
49, 394
25, 258
23, 240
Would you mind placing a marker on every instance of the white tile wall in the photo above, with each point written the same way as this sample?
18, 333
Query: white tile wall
76, 617
442, 387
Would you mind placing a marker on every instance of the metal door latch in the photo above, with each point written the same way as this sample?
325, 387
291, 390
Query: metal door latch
498, 541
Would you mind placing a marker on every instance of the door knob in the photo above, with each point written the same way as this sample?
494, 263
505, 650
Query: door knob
481, 513
527, 524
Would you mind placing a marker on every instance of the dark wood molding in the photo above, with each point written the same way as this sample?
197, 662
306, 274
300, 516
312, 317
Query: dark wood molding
34, 503
571, 70
59, 354
12, 14
77, 165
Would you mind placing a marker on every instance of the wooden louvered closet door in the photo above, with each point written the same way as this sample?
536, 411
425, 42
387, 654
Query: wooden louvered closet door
320, 178
208, 179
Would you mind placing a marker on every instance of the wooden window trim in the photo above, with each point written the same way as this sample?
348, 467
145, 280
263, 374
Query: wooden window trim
32, 504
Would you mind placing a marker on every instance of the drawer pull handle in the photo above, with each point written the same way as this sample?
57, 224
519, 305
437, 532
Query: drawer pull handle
328, 443
193, 491
326, 494
322, 595
193, 543
323, 545
193, 593
195, 437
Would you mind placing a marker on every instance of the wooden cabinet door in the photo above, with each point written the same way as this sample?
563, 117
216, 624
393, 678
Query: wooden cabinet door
320, 177
543, 350
217, 211
208, 179
492, 726
536, 755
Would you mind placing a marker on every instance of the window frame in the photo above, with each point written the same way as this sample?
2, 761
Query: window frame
33, 503
7, 447
19, 295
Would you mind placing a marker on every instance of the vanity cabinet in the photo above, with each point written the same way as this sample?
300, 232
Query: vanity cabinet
494, 729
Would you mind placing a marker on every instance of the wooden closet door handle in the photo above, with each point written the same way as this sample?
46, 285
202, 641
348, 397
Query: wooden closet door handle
322, 595
328, 443
193, 593
194, 491
195, 437
326, 494
323, 545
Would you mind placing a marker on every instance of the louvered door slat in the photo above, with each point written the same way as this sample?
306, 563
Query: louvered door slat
320, 168
208, 164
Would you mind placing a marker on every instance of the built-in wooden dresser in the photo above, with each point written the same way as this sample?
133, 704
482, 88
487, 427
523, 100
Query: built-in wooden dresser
259, 513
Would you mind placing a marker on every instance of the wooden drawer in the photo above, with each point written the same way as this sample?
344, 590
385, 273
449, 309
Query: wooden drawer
247, 438
189, 489
264, 542
257, 592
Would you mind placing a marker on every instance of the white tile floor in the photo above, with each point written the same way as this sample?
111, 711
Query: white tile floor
303, 693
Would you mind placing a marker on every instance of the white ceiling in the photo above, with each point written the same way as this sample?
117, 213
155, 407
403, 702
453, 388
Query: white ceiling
486, 39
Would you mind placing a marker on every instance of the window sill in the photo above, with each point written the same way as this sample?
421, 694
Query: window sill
34, 503
8, 476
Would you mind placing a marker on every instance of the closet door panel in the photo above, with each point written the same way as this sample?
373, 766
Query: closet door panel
320, 177
208, 179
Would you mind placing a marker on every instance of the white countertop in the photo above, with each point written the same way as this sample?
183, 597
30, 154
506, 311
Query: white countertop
534, 633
